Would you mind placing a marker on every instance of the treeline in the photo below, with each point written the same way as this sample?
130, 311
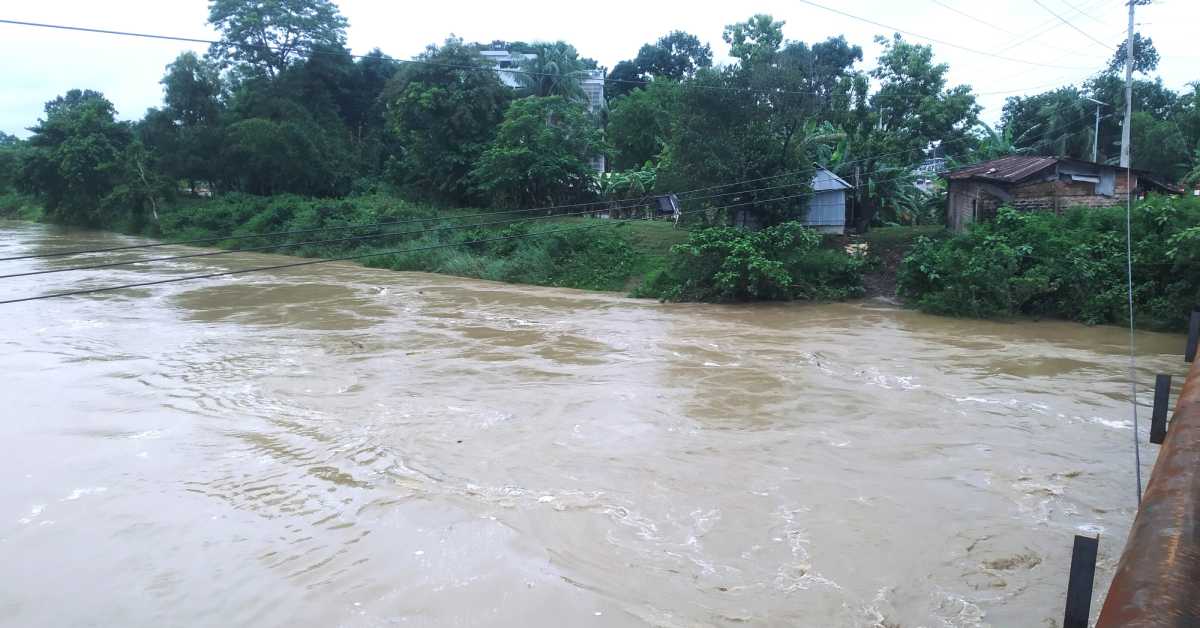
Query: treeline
280, 105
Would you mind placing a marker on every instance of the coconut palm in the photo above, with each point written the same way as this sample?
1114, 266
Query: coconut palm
555, 71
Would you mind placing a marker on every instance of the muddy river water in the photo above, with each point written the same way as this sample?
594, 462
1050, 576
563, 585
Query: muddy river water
340, 446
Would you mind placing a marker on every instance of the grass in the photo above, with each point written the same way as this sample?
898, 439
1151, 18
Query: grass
891, 237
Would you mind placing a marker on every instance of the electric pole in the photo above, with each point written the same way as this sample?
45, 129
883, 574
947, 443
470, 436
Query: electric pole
1125, 128
1096, 132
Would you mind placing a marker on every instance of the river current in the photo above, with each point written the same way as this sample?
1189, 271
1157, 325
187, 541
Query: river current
334, 445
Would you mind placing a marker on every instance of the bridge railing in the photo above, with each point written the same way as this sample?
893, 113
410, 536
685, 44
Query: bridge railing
1157, 582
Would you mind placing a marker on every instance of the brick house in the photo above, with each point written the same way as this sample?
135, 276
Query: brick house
1052, 184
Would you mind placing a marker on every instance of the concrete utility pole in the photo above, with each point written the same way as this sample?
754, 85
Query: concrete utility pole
1125, 128
1096, 132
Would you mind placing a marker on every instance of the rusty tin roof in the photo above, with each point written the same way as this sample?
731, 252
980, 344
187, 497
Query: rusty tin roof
1007, 169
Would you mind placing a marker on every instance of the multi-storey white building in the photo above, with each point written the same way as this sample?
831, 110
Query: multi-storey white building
505, 63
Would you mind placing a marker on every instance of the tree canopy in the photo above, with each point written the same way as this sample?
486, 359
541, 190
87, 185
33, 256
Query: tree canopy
541, 154
280, 105
265, 36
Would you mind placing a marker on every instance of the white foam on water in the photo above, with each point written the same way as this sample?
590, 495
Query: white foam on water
81, 492
1118, 424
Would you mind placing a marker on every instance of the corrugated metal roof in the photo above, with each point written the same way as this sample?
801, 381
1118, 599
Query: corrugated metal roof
1007, 169
824, 180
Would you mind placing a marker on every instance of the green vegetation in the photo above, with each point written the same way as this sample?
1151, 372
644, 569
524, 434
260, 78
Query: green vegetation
1070, 266
278, 126
573, 252
540, 155
779, 263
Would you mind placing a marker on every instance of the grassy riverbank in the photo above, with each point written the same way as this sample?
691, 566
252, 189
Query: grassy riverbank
569, 251
1067, 266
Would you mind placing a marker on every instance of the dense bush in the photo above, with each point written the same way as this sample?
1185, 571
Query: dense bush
19, 207
1067, 266
779, 263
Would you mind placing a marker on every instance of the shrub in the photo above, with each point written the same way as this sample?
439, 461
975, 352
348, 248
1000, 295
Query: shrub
782, 262
1067, 266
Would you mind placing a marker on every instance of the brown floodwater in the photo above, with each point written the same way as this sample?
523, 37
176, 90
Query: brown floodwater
335, 445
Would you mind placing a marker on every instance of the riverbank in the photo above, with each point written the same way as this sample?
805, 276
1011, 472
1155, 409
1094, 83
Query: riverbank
565, 251
639, 257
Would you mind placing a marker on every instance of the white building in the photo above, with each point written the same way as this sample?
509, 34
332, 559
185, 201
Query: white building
927, 173
505, 63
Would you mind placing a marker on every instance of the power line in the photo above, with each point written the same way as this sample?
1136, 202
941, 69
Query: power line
1005, 30
1072, 25
600, 205
879, 156
972, 17
1042, 30
936, 40
1083, 13
989, 24
316, 51
485, 214
904, 176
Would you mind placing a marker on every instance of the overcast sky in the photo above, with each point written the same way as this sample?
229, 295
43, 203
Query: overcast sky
39, 64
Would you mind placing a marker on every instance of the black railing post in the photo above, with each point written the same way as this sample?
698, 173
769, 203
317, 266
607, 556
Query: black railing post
1079, 587
1162, 398
1189, 353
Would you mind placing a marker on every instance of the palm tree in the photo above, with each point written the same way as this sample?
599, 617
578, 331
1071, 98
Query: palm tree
555, 71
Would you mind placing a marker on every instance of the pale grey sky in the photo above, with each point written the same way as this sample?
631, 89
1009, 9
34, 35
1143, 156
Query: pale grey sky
40, 64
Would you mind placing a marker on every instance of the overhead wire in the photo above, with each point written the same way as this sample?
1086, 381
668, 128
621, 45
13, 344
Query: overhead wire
636, 82
1082, 12
600, 205
937, 40
973, 18
1042, 30
320, 52
618, 205
1072, 25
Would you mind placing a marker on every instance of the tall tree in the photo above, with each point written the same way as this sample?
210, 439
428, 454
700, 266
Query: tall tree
1145, 55
185, 134
640, 122
754, 41
443, 114
268, 35
912, 110
1058, 122
193, 90
722, 132
676, 55
541, 154
622, 79
76, 157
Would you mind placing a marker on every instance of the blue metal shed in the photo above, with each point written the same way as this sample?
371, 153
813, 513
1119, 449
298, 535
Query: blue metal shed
827, 207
